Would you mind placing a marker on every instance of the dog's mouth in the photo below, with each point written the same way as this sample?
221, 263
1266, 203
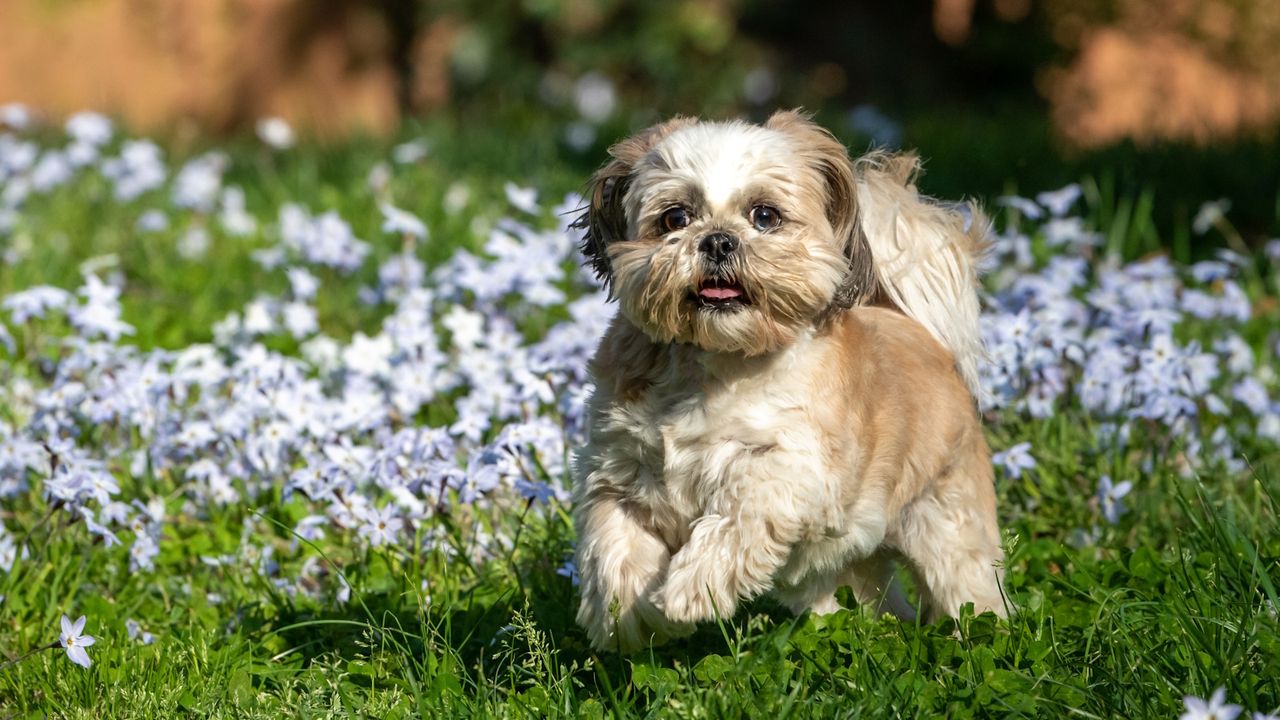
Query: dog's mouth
721, 294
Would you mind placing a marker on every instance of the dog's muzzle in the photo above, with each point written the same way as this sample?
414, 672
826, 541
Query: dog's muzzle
717, 247
718, 289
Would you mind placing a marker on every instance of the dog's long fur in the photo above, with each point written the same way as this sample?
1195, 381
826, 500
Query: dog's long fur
804, 439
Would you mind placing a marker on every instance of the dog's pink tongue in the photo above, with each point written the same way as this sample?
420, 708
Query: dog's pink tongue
720, 293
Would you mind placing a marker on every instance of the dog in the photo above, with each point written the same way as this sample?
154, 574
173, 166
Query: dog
784, 402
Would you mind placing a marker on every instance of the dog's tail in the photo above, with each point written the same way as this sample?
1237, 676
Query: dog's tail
925, 255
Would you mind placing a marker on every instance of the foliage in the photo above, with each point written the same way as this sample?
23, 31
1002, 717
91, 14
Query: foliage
365, 514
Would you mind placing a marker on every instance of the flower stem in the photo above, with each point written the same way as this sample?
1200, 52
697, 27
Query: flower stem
29, 653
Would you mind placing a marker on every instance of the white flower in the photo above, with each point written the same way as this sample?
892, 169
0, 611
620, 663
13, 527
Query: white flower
458, 195
277, 133
580, 135
1025, 207
369, 355
302, 283
152, 221
138, 169
1059, 202
379, 526
399, 222
379, 178
524, 199
194, 243
257, 318
74, 642
53, 170
594, 96
16, 156
322, 352
81, 154
16, 116
410, 152
1215, 709
1210, 214
300, 319
100, 313
465, 326
89, 127
234, 218
199, 181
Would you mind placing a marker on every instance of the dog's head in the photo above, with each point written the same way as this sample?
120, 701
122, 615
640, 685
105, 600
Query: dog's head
730, 236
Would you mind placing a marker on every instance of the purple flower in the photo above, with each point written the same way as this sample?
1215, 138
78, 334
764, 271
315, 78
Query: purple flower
1110, 498
1015, 459
138, 169
1250, 393
535, 490
135, 632
326, 239
143, 552
570, 570
1209, 270
379, 527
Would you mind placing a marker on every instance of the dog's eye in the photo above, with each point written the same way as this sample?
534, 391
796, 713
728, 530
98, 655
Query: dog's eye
674, 219
764, 217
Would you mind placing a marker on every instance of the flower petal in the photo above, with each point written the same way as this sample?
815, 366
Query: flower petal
78, 656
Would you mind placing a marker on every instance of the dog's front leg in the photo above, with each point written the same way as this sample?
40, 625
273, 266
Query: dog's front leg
735, 550
620, 562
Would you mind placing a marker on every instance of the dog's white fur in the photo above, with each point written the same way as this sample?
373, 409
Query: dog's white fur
803, 441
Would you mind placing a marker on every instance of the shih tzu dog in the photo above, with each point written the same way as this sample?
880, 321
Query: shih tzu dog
784, 402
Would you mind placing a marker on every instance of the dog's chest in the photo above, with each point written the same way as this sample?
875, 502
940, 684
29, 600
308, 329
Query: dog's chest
690, 441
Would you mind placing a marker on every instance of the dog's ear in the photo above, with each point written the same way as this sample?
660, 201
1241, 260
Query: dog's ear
823, 152
603, 219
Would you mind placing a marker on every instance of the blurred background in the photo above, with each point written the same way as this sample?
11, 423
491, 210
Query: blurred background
1171, 103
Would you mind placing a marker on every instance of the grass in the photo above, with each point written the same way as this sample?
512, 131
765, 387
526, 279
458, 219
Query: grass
1179, 597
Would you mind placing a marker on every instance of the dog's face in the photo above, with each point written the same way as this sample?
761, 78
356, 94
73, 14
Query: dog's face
729, 236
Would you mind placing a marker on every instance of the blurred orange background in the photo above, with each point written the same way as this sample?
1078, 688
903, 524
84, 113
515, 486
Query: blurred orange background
1146, 70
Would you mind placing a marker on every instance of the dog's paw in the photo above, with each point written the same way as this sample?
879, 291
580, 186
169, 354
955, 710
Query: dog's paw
690, 596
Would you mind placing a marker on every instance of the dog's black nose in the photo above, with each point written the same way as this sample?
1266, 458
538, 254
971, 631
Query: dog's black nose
718, 246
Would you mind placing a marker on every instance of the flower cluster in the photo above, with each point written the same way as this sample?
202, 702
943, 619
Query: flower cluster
1147, 344
338, 427
453, 405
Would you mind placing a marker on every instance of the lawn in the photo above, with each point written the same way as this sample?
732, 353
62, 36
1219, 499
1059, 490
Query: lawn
289, 427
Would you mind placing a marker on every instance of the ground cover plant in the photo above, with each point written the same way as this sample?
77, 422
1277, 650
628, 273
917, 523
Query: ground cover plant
287, 434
